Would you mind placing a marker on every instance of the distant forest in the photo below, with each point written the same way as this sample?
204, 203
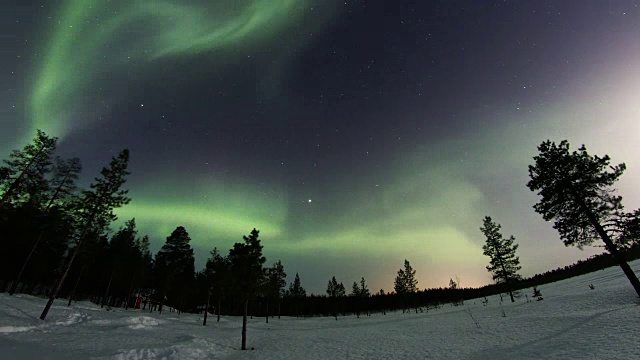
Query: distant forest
56, 242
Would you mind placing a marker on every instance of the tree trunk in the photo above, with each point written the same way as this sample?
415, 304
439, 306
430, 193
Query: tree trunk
126, 306
33, 249
507, 281
54, 293
244, 324
73, 292
267, 315
14, 286
206, 309
219, 301
633, 279
106, 293
58, 286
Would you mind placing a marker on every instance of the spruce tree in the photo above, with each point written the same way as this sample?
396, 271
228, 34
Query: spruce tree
297, 293
295, 288
275, 283
335, 291
174, 267
504, 263
360, 292
144, 264
577, 194
405, 283
121, 258
217, 275
96, 212
355, 290
246, 266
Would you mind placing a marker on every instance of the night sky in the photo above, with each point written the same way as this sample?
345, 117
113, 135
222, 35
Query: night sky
352, 134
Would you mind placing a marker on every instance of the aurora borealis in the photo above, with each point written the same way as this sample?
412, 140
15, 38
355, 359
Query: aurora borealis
90, 40
352, 134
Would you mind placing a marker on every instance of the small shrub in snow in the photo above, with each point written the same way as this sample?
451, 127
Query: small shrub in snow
537, 294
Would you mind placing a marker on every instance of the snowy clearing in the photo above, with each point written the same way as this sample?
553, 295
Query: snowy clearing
572, 321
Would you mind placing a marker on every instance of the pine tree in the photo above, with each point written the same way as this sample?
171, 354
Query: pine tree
246, 266
360, 292
218, 274
275, 283
335, 291
297, 293
295, 288
381, 293
576, 193
144, 265
104, 196
355, 290
405, 283
23, 179
62, 188
174, 267
122, 258
504, 263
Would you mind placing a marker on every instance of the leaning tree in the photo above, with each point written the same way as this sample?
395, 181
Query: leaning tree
96, 211
504, 263
576, 193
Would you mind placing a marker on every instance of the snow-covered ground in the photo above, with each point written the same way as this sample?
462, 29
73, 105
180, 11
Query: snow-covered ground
571, 322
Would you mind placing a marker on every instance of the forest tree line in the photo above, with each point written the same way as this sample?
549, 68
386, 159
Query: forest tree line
57, 242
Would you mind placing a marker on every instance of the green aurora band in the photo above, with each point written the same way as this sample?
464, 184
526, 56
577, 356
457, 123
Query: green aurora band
84, 34
93, 41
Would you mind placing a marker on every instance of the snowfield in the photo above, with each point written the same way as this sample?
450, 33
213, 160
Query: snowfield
571, 322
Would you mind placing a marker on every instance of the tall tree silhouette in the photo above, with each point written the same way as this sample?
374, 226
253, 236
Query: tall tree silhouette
361, 293
214, 279
217, 275
174, 267
96, 212
246, 265
335, 291
274, 285
504, 263
297, 293
295, 288
122, 258
62, 188
576, 193
405, 283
